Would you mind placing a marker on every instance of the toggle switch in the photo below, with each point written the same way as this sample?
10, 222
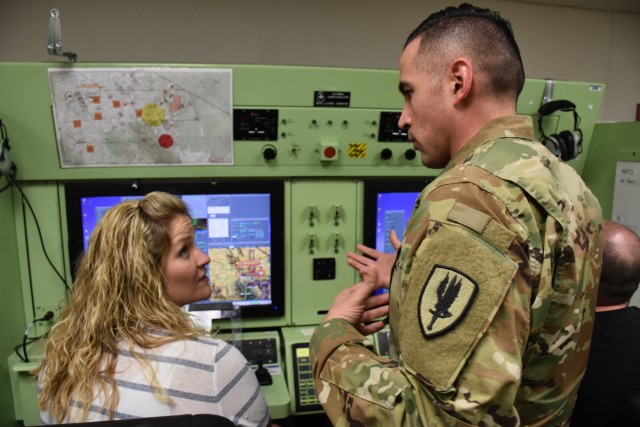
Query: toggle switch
312, 215
337, 214
312, 243
337, 242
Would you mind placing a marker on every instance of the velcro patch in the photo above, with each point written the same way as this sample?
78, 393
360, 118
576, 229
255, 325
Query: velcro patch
458, 309
446, 297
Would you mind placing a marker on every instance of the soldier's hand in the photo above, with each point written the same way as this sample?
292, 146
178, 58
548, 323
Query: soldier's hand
375, 265
359, 306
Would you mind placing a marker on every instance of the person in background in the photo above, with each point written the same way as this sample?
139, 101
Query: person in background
493, 291
123, 347
613, 370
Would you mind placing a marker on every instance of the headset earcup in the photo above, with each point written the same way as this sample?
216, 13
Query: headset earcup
551, 144
577, 138
568, 142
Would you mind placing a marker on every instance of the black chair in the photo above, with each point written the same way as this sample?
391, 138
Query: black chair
625, 412
198, 420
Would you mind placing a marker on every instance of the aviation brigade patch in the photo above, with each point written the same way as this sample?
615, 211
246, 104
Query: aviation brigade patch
445, 299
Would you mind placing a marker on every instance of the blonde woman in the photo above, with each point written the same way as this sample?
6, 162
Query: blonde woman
123, 348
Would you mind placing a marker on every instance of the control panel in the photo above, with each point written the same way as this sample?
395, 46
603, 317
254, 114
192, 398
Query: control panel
323, 228
259, 351
305, 393
300, 375
300, 136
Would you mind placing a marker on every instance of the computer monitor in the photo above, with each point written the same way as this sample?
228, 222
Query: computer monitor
388, 203
239, 224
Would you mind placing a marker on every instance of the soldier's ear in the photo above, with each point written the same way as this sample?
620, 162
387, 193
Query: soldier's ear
460, 79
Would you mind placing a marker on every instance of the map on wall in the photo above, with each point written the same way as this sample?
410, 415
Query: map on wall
142, 116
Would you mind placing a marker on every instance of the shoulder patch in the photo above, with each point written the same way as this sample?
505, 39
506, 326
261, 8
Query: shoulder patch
468, 216
446, 297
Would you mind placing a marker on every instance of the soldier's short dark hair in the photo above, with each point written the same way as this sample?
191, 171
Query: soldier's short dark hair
481, 34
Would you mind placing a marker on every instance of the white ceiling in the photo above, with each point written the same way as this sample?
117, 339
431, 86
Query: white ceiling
629, 6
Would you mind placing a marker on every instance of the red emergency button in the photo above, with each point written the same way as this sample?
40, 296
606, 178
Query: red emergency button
329, 152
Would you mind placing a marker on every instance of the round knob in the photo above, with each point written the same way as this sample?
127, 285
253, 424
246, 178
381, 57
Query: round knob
410, 154
386, 154
269, 152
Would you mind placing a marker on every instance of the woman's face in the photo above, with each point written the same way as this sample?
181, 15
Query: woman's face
184, 266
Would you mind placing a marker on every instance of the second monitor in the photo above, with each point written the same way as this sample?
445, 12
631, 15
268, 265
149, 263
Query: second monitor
388, 204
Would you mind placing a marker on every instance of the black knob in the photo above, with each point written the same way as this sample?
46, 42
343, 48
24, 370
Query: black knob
410, 154
269, 152
386, 154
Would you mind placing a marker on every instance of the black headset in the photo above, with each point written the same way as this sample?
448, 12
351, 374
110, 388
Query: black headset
567, 144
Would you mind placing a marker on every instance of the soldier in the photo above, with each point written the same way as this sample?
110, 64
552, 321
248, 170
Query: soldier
493, 291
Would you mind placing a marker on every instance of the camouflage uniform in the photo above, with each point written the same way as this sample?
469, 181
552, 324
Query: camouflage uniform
492, 298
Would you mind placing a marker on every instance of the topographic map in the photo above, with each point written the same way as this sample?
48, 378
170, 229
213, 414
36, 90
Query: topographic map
142, 116
240, 274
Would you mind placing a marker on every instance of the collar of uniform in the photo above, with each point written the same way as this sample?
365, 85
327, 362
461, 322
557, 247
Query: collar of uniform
503, 127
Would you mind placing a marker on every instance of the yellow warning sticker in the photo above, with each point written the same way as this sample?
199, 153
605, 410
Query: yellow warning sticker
357, 150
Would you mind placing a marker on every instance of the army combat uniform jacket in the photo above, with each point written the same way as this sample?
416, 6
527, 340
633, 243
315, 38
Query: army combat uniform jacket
492, 298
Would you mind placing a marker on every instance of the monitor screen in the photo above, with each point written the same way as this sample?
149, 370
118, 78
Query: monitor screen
388, 204
239, 224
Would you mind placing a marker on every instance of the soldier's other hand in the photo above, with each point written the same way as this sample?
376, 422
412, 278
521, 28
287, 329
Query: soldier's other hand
360, 306
375, 265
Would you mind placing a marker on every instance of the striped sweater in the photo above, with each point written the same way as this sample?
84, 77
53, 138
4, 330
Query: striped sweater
203, 376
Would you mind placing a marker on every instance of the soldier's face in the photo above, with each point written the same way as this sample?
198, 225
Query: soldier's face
424, 113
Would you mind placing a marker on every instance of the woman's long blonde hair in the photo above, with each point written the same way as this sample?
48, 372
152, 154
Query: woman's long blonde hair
118, 296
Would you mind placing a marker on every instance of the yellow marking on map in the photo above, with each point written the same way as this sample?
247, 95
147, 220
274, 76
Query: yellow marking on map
153, 114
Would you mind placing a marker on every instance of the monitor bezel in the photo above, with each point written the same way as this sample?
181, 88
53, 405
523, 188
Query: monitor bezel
75, 190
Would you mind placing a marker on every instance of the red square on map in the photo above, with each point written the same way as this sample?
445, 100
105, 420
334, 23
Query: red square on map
116, 103
77, 123
97, 116
90, 148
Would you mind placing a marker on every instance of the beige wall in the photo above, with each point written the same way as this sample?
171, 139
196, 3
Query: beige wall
556, 42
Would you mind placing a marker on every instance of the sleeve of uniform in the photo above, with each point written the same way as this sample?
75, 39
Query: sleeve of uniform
239, 395
462, 332
465, 311
354, 384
